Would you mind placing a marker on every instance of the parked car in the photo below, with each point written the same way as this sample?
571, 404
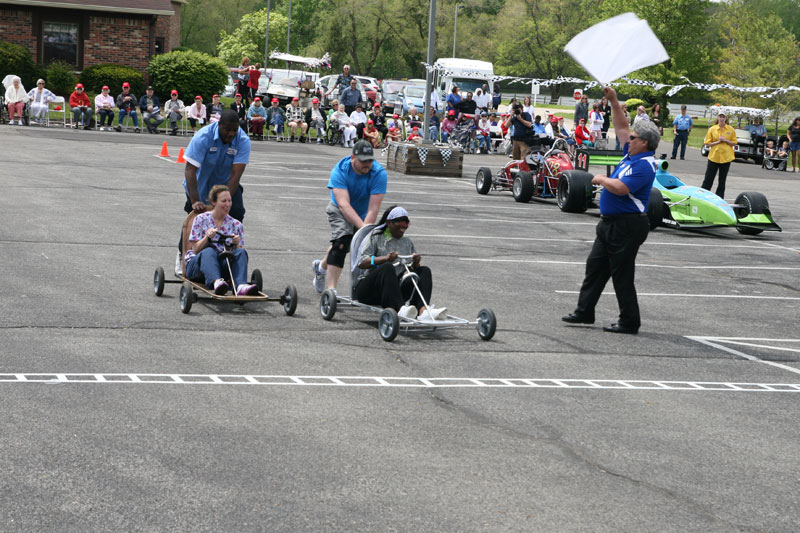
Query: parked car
372, 87
390, 89
230, 87
325, 84
410, 95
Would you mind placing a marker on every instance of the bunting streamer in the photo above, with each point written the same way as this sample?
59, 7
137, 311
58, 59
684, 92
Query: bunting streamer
589, 84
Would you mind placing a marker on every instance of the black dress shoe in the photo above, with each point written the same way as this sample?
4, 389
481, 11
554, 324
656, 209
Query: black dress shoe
616, 328
673, 157
577, 318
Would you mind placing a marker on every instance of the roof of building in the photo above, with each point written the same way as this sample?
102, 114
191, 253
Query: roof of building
139, 7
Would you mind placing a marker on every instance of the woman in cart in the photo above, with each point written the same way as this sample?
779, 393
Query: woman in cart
382, 282
203, 262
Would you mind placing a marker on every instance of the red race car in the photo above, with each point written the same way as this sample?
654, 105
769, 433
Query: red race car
548, 175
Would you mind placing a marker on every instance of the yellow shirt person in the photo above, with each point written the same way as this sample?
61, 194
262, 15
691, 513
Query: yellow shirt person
720, 151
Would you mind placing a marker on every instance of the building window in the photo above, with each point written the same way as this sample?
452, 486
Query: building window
159, 45
60, 42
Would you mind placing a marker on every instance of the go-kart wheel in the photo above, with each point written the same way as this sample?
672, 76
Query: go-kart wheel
290, 300
483, 180
257, 279
754, 203
186, 298
327, 304
655, 208
523, 187
574, 191
487, 324
388, 324
158, 281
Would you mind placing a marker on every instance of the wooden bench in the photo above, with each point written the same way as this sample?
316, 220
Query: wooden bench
424, 159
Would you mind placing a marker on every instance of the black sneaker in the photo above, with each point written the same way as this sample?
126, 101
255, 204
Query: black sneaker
137, 130
118, 128
291, 139
302, 139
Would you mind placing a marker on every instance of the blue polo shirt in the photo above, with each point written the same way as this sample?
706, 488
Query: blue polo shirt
360, 187
214, 159
682, 122
637, 173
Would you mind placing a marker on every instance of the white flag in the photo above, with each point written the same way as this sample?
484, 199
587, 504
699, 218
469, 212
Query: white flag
616, 47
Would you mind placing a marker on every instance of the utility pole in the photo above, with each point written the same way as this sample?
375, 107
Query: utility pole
266, 39
289, 32
455, 27
426, 118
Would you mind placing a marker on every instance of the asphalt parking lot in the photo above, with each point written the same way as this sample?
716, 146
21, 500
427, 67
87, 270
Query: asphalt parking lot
121, 413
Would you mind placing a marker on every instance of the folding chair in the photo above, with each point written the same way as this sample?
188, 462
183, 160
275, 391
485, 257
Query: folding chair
58, 100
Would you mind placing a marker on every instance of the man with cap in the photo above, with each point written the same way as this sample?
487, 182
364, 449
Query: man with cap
238, 106
104, 108
448, 124
295, 117
257, 116
357, 186
350, 97
81, 107
315, 118
127, 103
342, 82
623, 225
681, 128
151, 110
276, 118
174, 110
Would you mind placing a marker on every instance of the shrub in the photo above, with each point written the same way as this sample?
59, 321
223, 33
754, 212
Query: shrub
633, 103
17, 60
191, 73
59, 78
113, 75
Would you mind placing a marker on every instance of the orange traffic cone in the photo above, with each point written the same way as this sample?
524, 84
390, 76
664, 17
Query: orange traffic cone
164, 151
180, 157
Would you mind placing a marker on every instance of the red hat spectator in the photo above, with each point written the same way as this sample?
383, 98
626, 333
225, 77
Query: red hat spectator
295, 99
215, 96
174, 91
376, 104
258, 99
452, 112
105, 88
198, 97
370, 122
274, 100
126, 84
391, 129
315, 101
395, 116
238, 94
415, 128
79, 86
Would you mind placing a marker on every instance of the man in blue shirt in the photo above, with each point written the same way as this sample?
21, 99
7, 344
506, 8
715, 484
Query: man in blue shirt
357, 187
217, 155
681, 127
623, 225
758, 133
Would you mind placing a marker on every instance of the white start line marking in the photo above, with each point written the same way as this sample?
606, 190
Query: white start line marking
779, 345
406, 382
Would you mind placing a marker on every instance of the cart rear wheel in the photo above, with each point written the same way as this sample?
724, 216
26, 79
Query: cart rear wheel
388, 324
290, 300
327, 304
483, 180
158, 281
257, 279
487, 324
755, 204
655, 208
186, 298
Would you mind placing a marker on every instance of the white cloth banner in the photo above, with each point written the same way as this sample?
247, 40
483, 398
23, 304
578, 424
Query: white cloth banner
628, 44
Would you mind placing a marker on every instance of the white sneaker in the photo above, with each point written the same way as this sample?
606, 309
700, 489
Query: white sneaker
319, 276
102, 128
178, 266
407, 311
433, 313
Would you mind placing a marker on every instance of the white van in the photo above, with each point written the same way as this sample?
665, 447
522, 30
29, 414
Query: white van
467, 74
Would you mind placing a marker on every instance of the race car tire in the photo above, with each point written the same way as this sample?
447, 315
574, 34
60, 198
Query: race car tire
483, 180
754, 203
523, 187
655, 208
574, 194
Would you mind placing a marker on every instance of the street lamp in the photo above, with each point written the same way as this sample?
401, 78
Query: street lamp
455, 27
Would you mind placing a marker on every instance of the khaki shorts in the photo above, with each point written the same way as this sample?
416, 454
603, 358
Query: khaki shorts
340, 227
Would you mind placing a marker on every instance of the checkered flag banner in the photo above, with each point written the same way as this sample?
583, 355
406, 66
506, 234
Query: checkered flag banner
446, 153
423, 155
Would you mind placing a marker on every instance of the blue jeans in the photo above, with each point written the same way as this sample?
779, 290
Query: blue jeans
445, 136
209, 267
680, 140
84, 116
132, 113
433, 133
483, 140
105, 115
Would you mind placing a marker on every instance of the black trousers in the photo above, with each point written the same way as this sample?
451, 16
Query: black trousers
613, 256
382, 287
711, 171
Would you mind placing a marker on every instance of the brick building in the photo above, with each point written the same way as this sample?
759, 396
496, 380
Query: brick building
88, 32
